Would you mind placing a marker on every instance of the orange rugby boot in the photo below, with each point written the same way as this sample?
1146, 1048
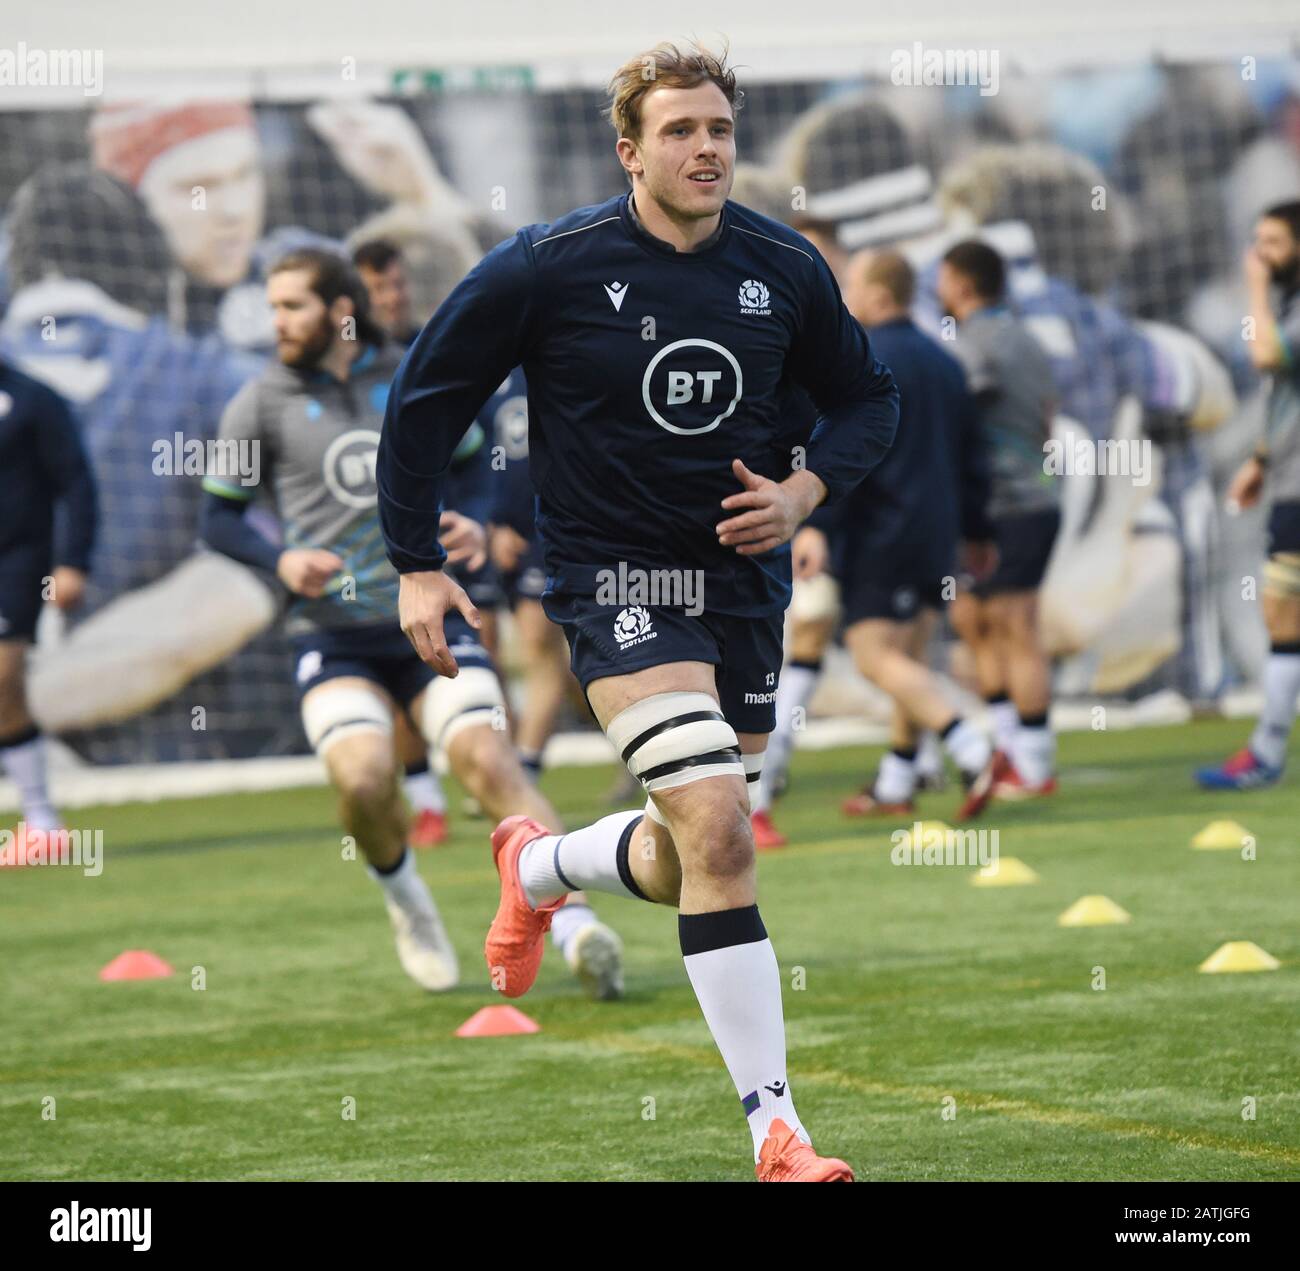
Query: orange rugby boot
517, 936
786, 1158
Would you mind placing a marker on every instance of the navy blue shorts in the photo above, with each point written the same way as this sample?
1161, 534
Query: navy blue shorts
605, 640
898, 596
381, 654
1024, 546
20, 600
527, 580
1283, 529
482, 586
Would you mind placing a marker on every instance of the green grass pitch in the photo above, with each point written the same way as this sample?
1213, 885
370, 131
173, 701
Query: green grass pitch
916, 987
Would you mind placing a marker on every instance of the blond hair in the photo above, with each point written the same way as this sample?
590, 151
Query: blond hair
666, 65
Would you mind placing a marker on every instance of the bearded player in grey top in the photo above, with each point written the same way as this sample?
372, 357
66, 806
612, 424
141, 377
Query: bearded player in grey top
310, 426
1272, 270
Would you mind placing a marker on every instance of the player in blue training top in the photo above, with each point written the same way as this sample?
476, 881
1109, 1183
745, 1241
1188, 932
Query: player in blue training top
660, 333
47, 530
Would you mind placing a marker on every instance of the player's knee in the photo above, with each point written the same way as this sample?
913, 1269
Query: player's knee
484, 756
451, 707
725, 850
870, 658
367, 783
710, 825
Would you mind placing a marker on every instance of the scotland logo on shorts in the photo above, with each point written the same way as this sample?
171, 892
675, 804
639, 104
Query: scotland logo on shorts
905, 601
633, 626
754, 298
308, 666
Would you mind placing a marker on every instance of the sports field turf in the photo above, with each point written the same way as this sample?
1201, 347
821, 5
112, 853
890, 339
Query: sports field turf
917, 986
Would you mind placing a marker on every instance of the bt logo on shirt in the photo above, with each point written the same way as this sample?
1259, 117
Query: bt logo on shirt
691, 386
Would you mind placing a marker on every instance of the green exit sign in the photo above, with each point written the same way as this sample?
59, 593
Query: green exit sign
461, 79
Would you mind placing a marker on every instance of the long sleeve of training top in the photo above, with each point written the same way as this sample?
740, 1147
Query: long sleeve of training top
465, 350
49, 509
68, 467
974, 476
224, 527
855, 395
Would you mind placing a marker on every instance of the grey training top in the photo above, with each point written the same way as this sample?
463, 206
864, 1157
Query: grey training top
1011, 378
314, 440
1282, 417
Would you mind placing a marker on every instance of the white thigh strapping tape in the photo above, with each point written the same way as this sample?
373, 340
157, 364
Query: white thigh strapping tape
329, 714
671, 739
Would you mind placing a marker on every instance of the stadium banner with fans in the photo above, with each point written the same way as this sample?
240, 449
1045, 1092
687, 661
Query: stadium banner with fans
139, 224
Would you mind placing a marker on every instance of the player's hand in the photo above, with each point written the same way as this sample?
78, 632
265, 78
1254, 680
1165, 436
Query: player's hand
506, 546
978, 559
69, 585
463, 539
776, 510
809, 552
1255, 270
1246, 486
306, 571
423, 600
381, 147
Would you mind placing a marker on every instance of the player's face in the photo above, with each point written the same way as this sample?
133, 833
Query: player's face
1277, 247
867, 301
823, 238
208, 196
949, 288
390, 296
687, 151
304, 330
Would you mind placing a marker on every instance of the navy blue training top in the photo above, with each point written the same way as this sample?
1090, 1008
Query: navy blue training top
649, 370
932, 489
44, 468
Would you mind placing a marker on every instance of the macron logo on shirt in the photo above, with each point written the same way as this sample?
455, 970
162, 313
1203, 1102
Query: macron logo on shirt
616, 291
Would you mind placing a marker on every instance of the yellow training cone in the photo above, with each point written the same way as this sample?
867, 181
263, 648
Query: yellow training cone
932, 832
1239, 955
1006, 871
1220, 835
1093, 911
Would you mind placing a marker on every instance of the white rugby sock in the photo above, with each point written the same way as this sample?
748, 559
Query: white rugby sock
793, 692
895, 778
929, 755
968, 746
403, 884
567, 921
1005, 722
24, 761
424, 791
594, 858
1281, 685
1034, 751
734, 972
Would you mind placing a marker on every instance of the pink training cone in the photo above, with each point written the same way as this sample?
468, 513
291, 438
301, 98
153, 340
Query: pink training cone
497, 1021
136, 964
